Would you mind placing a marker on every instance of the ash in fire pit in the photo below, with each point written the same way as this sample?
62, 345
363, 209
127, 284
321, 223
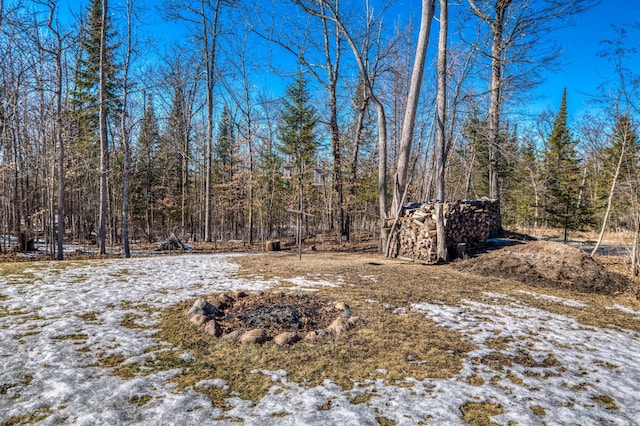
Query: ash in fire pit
283, 317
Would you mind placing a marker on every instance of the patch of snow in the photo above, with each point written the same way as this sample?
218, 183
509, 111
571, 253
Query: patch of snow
213, 383
302, 283
592, 362
567, 302
187, 357
496, 295
276, 376
625, 309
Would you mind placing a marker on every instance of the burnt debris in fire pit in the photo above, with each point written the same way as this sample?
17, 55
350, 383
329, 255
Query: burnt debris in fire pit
284, 317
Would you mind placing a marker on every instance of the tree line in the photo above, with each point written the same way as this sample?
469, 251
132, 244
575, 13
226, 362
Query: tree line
108, 136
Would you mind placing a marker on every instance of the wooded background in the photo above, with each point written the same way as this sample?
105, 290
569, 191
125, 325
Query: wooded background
109, 134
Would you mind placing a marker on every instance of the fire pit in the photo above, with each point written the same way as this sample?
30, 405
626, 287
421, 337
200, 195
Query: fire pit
284, 318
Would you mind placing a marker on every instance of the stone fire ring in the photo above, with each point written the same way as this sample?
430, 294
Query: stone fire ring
257, 317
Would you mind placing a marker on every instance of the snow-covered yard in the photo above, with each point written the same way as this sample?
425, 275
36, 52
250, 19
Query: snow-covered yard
56, 321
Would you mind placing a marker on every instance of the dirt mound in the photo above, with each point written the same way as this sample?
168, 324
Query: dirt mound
547, 264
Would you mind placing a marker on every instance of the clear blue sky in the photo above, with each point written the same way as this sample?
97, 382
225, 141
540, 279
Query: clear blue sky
583, 71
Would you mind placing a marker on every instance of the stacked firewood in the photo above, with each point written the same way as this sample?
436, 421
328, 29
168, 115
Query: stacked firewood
468, 224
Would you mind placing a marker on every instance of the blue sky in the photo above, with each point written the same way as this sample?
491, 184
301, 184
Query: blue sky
583, 71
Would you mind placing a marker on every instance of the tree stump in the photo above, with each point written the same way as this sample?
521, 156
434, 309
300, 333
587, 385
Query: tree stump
272, 245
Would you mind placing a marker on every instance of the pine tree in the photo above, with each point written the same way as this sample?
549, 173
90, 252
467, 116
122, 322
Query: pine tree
562, 168
147, 169
298, 120
93, 98
525, 196
225, 146
84, 94
297, 137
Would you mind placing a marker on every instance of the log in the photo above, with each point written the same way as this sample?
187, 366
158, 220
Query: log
272, 245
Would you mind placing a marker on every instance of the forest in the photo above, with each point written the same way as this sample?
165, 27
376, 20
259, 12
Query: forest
128, 121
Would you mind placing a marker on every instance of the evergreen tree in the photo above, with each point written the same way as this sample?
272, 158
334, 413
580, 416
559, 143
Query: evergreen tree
147, 170
229, 197
525, 197
298, 120
298, 139
225, 146
84, 94
562, 168
476, 133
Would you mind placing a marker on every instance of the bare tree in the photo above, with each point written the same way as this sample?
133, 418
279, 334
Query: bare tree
520, 35
328, 11
441, 143
104, 142
624, 133
205, 15
58, 53
124, 126
413, 100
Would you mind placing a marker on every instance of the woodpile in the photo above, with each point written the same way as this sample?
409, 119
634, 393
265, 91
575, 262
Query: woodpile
468, 224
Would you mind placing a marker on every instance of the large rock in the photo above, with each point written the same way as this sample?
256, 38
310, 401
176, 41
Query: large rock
233, 336
195, 310
286, 338
212, 328
207, 307
257, 335
340, 325
315, 335
199, 319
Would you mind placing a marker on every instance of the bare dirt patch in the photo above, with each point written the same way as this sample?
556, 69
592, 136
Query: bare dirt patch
547, 264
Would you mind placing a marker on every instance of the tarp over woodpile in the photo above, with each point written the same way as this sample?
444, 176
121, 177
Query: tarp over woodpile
547, 264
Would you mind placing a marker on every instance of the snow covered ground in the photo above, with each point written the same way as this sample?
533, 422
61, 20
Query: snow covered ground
48, 313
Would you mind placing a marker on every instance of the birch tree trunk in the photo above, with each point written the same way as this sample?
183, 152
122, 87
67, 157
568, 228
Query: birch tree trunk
413, 98
610, 198
441, 143
104, 143
126, 166
495, 86
58, 53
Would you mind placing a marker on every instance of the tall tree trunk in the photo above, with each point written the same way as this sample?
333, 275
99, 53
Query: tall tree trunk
333, 68
353, 178
210, 57
495, 86
126, 166
635, 255
382, 169
59, 140
441, 143
408, 124
104, 143
610, 199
